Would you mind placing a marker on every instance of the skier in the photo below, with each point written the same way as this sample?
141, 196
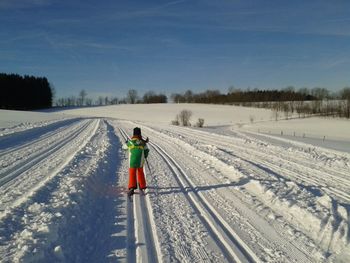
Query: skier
138, 152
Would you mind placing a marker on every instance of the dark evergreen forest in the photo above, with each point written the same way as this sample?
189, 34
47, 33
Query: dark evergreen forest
24, 92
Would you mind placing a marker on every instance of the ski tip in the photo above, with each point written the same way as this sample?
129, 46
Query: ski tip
130, 193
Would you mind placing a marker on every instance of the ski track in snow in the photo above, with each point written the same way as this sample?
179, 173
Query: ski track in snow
314, 215
212, 197
28, 167
232, 246
271, 255
142, 237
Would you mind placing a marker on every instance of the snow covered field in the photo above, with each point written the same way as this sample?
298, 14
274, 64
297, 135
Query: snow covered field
224, 193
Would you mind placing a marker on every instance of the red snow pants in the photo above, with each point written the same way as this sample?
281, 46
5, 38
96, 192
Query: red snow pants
140, 178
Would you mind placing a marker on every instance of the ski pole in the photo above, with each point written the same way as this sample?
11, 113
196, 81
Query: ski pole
148, 167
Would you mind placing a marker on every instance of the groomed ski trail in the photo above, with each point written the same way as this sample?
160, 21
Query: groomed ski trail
40, 161
143, 244
63, 197
234, 249
262, 241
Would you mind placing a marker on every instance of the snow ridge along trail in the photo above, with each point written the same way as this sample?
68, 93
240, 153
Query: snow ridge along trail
233, 247
75, 215
220, 184
298, 191
213, 196
26, 169
35, 152
142, 239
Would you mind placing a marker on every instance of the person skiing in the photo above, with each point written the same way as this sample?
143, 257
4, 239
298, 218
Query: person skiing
138, 152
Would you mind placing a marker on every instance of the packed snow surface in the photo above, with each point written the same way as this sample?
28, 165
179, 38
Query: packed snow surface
228, 192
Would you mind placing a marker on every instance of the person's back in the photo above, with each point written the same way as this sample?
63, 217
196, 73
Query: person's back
138, 152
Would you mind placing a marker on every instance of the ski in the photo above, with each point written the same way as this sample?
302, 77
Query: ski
130, 194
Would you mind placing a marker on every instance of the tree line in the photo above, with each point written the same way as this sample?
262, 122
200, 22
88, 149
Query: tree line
31, 93
304, 102
242, 96
288, 101
25, 92
132, 97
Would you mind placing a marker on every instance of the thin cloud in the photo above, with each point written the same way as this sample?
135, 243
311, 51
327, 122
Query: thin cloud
169, 4
103, 46
22, 37
15, 4
147, 12
57, 42
333, 63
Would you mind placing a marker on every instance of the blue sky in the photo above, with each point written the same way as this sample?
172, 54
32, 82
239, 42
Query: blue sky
109, 47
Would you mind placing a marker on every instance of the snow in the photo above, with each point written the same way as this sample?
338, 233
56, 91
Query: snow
16, 121
317, 128
232, 191
213, 115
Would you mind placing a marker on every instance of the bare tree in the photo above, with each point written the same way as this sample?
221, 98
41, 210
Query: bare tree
184, 117
320, 93
345, 95
200, 123
100, 101
88, 102
107, 100
188, 95
304, 91
132, 96
72, 101
176, 121
152, 97
231, 89
275, 111
299, 107
82, 96
177, 98
286, 109
114, 101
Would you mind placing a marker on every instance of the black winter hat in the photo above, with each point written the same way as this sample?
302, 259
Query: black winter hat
137, 131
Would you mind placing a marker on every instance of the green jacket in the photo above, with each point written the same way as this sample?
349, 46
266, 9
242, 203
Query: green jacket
138, 151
